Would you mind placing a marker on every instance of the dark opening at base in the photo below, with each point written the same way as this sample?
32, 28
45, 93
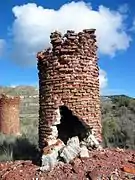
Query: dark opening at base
71, 126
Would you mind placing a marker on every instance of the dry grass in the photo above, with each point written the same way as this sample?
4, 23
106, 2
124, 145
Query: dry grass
22, 147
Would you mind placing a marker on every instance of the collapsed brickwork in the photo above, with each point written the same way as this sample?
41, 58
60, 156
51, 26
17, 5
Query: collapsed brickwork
68, 88
9, 115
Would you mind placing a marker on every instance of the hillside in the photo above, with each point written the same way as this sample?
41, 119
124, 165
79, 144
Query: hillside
118, 120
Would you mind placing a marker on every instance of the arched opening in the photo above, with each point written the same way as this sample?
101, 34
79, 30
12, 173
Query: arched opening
71, 126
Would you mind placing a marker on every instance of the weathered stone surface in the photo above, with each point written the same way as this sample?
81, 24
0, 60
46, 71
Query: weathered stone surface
71, 150
90, 142
50, 156
84, 152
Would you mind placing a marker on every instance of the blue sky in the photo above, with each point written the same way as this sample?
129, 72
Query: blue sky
25, 30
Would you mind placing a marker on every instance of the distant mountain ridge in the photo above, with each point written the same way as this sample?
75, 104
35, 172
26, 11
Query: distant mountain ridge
25, 90
19, 90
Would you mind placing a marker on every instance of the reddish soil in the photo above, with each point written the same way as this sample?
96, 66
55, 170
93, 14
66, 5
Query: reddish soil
105, 164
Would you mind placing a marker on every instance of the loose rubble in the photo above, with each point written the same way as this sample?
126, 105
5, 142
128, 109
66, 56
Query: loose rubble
59, 152
105, 164
71, 150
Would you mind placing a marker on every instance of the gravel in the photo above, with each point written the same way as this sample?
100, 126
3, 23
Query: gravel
106, 164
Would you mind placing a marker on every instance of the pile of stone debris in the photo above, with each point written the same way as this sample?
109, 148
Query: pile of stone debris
59, 152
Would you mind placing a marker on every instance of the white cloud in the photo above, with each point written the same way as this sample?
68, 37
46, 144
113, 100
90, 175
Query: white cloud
13, 86
133, 26
102, 79
2, 46
33, 24
24, 84
124, 8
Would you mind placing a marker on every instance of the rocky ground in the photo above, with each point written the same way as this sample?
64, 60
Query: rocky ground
113, 164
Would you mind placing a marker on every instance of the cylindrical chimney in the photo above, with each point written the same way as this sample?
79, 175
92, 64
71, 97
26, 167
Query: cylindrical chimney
69, 72
9, 115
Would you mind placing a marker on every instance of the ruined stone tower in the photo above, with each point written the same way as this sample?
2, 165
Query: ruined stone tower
9, 115
68, 84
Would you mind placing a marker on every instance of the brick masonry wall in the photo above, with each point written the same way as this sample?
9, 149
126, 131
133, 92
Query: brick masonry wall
9, 115
69, 75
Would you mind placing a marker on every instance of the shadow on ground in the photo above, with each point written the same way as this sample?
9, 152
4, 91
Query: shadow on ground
19, 149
